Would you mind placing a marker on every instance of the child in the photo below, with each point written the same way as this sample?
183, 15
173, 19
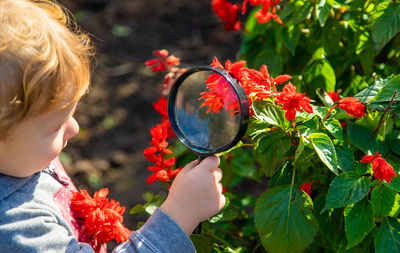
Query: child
44, 71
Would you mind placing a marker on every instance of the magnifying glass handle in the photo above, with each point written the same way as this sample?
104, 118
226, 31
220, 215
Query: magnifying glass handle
197, 230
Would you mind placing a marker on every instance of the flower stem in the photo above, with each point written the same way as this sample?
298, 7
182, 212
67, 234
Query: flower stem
329, 112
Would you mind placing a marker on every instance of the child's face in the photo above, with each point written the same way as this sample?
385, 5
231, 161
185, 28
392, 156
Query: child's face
34, 142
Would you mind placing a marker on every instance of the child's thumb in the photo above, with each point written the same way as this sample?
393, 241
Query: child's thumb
210, 163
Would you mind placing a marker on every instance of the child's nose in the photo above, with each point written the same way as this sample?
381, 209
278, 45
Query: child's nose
71, 129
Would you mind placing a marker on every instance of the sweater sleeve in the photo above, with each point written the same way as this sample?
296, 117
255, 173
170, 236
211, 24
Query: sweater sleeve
35, 229
159, 234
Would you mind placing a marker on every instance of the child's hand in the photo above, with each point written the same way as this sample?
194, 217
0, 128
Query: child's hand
195, 194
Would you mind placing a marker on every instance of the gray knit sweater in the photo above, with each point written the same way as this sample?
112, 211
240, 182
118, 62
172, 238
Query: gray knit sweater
30, 221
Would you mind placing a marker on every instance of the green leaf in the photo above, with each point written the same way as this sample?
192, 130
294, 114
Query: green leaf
387, 240
228, 212
137, 209
270, 58
331, 36
396, 207
383, 200
271, 149
282, 176
257, 128
370, 92
298, 11
393, 140
359, 221
243, 164
299, 148
362, 137
334, 127
386, 26
346, 189
386, 93
345, 157
323, 11
325, 98
319, 74
284, 220
363, 38
290, 37
201, 242
331, 225
270, 113
326, 151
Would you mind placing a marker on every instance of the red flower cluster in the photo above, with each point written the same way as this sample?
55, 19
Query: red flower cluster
382, 169
163, 62
170, 78
156, 153
161, 106
264, 15
102, 217
258, 85
228, 12
292, 101
221, 95
334, 96
352, 106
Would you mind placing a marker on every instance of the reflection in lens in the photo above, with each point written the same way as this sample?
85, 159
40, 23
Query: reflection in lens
207, 111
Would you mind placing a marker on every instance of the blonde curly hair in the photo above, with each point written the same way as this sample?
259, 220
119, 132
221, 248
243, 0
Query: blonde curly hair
45, 60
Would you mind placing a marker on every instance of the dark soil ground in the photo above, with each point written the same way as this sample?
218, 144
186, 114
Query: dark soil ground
117, 114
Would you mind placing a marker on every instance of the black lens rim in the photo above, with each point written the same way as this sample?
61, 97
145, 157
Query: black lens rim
243, 103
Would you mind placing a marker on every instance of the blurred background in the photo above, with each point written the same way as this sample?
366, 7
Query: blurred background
117, 114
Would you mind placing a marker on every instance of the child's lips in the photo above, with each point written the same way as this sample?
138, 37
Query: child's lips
65, 144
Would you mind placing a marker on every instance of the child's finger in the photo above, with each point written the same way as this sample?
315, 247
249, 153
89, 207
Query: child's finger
189, 166
218, 174
210, 162
222, 201
220, 188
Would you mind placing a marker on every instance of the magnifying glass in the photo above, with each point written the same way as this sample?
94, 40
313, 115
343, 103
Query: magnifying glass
208, 110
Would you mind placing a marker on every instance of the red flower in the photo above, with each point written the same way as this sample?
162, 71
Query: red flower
227, 13
220, 94
163, 61
264, 15
370, 158
170, 78
161, 106
352, 106
293, 101
256, 84
252, 3
382, 169
102, 217
334, 96
306, 187
156, 154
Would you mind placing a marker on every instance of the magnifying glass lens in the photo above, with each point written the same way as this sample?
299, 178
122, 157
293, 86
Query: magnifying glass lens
207, 111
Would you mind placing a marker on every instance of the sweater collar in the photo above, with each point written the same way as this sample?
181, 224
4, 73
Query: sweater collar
9, 185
